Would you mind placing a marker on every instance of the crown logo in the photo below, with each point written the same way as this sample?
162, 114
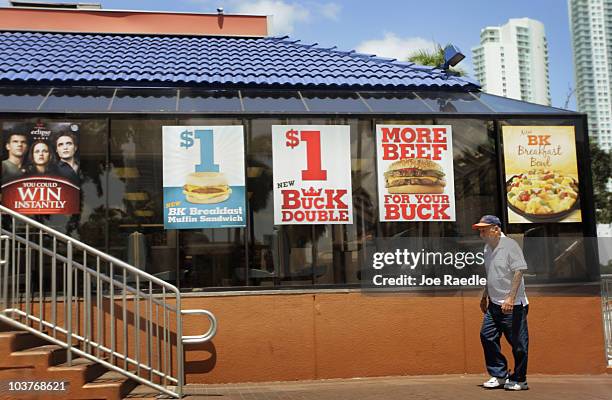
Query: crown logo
311, 192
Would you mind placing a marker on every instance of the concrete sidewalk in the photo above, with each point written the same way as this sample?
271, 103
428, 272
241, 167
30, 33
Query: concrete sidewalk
455, 387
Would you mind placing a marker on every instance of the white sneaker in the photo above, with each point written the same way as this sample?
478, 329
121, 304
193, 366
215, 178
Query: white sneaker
512, 385
494, 382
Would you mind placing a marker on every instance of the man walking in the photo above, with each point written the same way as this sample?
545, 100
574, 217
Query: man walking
17, 147
504, 305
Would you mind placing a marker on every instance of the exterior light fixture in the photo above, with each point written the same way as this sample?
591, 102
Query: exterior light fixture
452, 56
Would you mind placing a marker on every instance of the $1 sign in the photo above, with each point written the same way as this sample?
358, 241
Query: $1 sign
207, 150
313, 171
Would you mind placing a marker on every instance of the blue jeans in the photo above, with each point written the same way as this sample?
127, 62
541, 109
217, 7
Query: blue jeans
514, 328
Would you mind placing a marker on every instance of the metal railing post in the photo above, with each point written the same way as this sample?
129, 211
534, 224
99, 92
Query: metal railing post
179, 347
69, 308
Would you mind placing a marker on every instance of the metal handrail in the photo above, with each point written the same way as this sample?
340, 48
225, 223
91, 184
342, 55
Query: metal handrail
90, 289
206, 336
606, 307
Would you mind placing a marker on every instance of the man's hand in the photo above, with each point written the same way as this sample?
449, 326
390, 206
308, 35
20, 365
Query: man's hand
508, 305
483, 304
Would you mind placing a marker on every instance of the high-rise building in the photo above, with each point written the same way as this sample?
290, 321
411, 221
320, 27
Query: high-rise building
512, 61
591, 27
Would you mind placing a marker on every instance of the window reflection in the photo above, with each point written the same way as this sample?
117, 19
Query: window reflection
145, 100
453, 102
334, 102
136, 230
22, 99
90, 225
191, 100
267, 101
567, 257
386, 102
121, 208
78, 99
265, 266
212, 257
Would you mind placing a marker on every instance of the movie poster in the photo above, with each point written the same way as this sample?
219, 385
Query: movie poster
40, 167
312, 174
541, 174
415, 172
203, 177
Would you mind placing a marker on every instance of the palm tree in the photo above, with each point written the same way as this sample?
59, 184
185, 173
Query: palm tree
433, 58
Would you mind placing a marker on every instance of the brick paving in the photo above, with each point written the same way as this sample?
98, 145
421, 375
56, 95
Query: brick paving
455, 387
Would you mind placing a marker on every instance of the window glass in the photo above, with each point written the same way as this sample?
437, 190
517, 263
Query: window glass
212, 257
317, 254
78, 99
475, 171
136, 229
340, 248
506, 105
159, 100
453, 102
269, 101
329, 102
22, 99
91, 152
568, 257
394, 102
192, 100
90, 225
122, 206
266, 265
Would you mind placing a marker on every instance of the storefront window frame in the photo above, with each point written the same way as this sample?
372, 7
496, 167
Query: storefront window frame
577, 119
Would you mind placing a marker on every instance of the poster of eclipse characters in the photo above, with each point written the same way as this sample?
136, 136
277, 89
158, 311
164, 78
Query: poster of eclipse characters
40, 167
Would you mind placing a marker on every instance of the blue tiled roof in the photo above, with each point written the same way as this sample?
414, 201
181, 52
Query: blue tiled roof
205, 61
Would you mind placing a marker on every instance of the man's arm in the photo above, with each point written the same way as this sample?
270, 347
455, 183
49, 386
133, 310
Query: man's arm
509, 300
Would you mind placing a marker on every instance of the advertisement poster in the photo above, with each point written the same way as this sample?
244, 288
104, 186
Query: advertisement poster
415, 172
40, 168
312, 174
203, 178
541, 174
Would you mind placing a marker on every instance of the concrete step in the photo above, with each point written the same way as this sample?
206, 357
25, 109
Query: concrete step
25, 356
110, 385
40, 357
6, 327
11, 341
79, 373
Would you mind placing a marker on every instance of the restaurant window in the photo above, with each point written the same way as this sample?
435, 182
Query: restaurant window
121, 205
211, 258
558, 250
267, 257
135, 215
89, 224
475, 165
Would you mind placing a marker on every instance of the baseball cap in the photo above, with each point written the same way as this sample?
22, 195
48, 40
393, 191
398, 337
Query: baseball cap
487, 220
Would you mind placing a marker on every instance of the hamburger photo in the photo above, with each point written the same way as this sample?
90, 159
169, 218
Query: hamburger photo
415, 175
206, 188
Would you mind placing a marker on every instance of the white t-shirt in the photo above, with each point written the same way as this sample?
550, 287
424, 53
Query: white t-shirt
501, 263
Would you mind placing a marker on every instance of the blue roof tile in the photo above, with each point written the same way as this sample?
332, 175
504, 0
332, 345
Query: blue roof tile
273, 61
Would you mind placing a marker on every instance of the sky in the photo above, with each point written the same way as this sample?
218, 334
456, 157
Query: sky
395, 28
